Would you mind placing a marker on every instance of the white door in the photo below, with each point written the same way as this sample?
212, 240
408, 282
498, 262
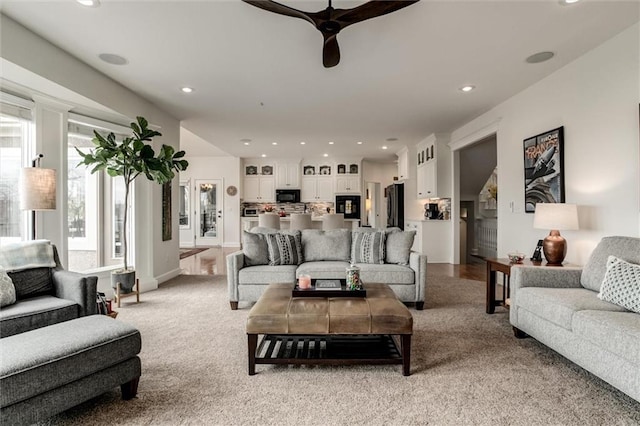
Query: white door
208, 220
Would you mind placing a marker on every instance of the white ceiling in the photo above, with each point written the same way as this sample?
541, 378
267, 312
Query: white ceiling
259, 76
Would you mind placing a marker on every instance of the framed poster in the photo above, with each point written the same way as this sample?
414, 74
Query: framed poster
166, 211
544, 169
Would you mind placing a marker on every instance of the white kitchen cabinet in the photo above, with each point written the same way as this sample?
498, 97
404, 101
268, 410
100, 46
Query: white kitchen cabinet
403, 163
433, 238
433, 173
253, 167
260, 189
347, 184
316, 188
287, 175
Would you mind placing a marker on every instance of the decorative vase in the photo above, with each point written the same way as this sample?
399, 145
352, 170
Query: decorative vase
127, 280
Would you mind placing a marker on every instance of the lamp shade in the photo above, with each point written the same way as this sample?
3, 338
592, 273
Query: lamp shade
556, 216
37, 189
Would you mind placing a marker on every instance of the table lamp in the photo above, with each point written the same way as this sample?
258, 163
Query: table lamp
556, 217
37, 190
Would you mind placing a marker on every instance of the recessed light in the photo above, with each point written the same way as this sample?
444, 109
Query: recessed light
113, 59
359, 142
330, 143
89, 3
274, 143
384, 147
325, 155
246, 143
536, 58
568, 1
467, 88
303, 143
263, 155
187, 89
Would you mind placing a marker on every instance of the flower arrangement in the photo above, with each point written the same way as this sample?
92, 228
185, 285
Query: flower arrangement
268, 208
493, 191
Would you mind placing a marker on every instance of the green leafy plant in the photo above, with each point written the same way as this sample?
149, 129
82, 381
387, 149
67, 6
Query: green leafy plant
133, 157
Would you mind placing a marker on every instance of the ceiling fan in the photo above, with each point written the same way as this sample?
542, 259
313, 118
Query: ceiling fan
331, 21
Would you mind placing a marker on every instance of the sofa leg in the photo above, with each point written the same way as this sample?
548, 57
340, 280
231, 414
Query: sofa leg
419, 306
130, 389
519, 333
234, 306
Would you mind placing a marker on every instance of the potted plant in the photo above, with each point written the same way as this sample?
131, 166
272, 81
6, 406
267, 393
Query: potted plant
130, 158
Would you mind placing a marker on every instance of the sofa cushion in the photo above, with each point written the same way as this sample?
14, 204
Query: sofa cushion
626, 248
32, 282
558, 305
326, 269
263, 274
284, 249
616, 332
333, 244
398, 246
255, 249
367, 247
7, 289
621, 284
35, 312
386, 274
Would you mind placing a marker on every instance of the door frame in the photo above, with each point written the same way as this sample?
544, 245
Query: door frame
219, 238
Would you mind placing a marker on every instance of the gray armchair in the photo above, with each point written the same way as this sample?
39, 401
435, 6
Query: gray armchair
46, 296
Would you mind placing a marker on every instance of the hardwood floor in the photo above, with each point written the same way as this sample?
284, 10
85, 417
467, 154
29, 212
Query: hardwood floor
212, 262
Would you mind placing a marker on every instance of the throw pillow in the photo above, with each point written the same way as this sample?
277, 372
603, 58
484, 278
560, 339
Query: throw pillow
284, 249
255, 249
367, 247
621, 284
398, 246
334, 244
7, 290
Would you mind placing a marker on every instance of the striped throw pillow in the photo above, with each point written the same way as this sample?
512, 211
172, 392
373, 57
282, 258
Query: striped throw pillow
367, 247
284, 249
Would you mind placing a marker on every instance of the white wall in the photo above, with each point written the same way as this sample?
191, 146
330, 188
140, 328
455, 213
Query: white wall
36, 59
382, 173
596, 99
227, 169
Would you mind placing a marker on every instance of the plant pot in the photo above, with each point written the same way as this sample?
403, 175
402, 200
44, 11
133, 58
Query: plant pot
127, 280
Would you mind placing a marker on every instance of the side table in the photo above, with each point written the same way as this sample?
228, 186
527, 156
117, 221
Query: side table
503, 266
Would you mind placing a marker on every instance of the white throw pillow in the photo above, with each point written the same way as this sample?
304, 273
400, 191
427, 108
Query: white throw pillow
621, 284
7, 289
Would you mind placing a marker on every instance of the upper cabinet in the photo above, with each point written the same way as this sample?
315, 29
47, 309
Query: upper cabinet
348, 178
433, 174
259, 181
287, 174
255, 168
403, 163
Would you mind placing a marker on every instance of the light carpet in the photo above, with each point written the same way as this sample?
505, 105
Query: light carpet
467, 369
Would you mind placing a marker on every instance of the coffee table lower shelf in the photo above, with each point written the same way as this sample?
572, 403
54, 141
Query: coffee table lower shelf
329, 350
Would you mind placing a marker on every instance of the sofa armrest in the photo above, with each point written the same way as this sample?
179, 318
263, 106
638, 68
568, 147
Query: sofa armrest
235, 262
418, 262
78, 288
545, 276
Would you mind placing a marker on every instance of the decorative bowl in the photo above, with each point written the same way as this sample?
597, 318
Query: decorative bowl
515, 257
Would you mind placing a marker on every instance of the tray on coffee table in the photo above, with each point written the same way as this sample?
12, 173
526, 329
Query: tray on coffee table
317, 291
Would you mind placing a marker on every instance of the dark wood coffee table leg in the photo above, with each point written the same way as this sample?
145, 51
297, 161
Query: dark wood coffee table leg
406, 354
252, 340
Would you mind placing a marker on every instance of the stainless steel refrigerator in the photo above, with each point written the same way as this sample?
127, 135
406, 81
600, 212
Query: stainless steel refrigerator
395, 205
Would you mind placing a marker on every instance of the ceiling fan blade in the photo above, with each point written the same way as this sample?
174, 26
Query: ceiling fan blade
280, 9
330, 51
370, 9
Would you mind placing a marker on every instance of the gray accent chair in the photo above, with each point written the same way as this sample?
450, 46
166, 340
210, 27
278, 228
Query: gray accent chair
326, 255
559, 307
47, 296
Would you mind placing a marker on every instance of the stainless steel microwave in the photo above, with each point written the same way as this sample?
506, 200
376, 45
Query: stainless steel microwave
287, 195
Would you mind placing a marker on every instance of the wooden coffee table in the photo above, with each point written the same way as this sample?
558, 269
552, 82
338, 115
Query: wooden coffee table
329, 330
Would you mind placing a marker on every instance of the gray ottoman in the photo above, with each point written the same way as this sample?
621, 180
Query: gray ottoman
51, 369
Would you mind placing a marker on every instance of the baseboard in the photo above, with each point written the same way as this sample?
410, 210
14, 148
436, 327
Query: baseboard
168, 275
231, 244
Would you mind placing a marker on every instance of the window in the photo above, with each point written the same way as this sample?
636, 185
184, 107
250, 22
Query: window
16, 146
95, 202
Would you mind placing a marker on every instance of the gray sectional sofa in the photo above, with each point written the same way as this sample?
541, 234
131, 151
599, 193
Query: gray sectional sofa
47, 296
560, 307
327, 254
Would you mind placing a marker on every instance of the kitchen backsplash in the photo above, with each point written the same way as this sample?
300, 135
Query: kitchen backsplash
317, 209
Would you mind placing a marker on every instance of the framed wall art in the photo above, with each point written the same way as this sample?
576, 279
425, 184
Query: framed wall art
544, 169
